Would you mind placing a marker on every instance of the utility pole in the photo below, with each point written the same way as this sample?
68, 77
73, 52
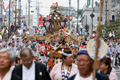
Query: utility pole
29, 13
19, 19
92, 16
15, 14
1, 14
69, 14
86, 20
92, 13
37, 11
77, 14
9, 21
37, 6
106, 12
26, 14
106, 1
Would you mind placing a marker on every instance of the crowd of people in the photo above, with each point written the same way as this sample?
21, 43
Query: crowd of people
21, 59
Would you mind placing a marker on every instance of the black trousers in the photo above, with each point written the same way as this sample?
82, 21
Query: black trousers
117, 57
119, 60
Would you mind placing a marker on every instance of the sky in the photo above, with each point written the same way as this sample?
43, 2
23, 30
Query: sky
44, 5
48, 3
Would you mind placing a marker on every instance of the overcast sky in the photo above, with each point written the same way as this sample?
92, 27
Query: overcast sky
45, 4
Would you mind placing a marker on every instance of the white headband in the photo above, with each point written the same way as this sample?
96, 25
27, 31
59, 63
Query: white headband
65, 54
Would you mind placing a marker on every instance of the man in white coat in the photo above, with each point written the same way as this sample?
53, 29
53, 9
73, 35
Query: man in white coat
64, 70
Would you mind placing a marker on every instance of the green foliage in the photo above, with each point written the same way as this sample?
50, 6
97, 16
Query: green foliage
80, 12
114, 26
65, 8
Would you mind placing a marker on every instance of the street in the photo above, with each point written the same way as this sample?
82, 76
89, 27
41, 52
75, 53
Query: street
118, 72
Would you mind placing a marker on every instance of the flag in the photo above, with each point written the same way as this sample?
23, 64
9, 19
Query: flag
40, 16
40, 21
88, 2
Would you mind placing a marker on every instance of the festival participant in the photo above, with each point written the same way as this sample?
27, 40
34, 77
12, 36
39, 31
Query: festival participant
30, 70
114, 54
118, 55
42, 31
18, 50
62, 71
85, 67
36, 33
109, 51
6, 61
20, 31
35, 29
106, 68
5, 42
82, 46
36, 52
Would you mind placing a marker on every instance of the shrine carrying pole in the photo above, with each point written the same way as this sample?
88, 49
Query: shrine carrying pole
97, 39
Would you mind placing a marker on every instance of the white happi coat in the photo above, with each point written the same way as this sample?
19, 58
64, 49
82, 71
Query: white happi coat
55, 73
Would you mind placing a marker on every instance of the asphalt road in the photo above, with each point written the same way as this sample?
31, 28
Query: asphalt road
118, 72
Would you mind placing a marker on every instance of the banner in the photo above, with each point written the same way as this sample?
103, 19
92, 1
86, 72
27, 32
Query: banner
40, 21
88, 2
5, 9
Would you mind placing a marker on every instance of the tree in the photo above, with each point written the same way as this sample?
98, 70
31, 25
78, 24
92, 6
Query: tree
80, 12
62, 8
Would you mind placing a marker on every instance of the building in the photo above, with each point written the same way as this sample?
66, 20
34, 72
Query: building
86, 19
